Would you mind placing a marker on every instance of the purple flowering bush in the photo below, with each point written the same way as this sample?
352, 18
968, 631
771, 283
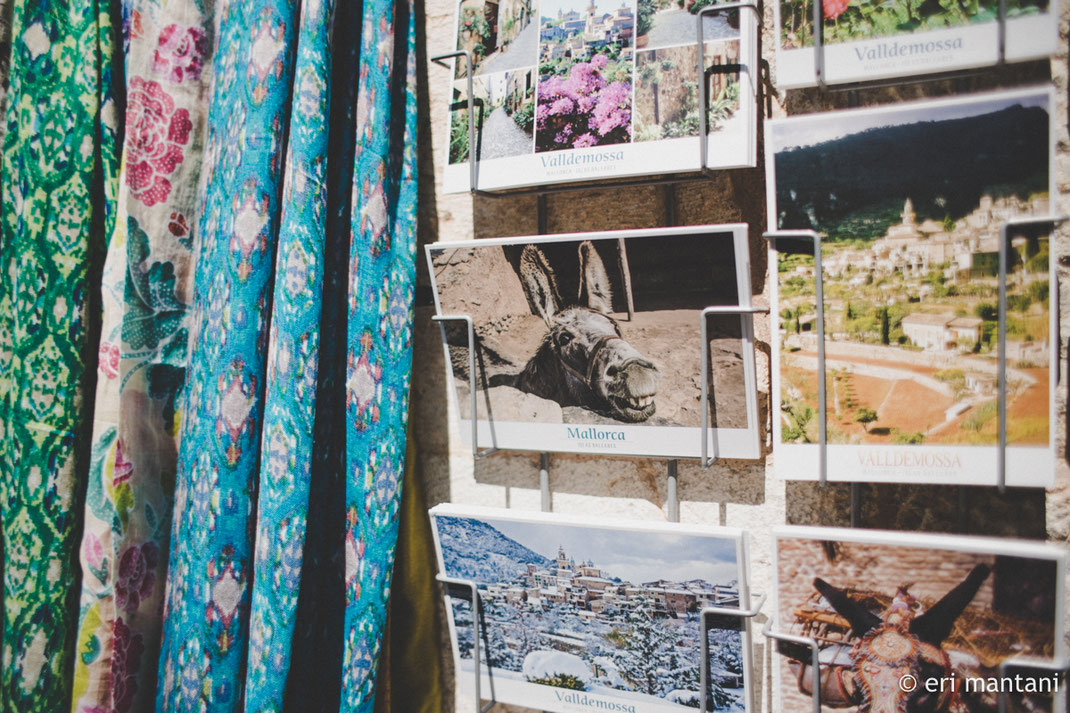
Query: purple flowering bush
583, 109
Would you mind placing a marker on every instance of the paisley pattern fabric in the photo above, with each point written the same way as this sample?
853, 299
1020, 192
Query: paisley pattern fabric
382, 277
293, 360
211, 559
142, 359
59, 182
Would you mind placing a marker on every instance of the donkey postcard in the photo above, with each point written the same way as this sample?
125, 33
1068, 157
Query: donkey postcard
592, 343
581, 614
914, 623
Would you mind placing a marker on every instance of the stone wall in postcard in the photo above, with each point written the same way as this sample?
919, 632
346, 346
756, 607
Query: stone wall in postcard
745, 493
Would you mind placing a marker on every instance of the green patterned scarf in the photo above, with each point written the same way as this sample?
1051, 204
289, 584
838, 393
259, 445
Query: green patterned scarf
59, 167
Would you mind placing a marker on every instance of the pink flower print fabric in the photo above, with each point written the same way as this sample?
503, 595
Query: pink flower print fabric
180, 53
157, 132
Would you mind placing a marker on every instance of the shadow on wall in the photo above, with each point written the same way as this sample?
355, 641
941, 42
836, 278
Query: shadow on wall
975, 510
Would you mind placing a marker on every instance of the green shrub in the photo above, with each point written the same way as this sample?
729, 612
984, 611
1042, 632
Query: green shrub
525, 116
904, 438
981, 416
459, 137
561, 680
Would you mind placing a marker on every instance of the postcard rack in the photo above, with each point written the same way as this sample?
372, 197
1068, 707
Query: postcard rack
1060, 670
761, 80
705, 617
472, 380
819, 57
746, 311
467, 590
777, 637
819, 296
1005, 236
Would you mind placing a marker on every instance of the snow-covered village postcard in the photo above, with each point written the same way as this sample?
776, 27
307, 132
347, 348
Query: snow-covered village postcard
913, 622
582, 614
592, 342
572, 90
910, 201
878, 39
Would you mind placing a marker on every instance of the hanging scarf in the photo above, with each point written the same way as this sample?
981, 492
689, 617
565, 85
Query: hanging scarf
60, 167
226, 496
293, 360
210, 569
142, 356
379, 363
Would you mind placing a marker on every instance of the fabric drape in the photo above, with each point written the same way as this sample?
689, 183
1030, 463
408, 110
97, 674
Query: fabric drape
410, 672
59, 182
210, 568
142, 358
379, 361
222, 350
293, 361
247, 444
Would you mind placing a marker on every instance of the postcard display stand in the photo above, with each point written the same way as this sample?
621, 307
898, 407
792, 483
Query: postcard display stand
1056, 668
980, 464
1007, 50
488, 434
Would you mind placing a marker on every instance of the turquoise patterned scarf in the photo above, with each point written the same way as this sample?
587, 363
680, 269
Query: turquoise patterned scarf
241, 527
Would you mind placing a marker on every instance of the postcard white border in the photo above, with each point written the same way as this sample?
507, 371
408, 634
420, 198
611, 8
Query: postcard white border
539, 696
639, 440
735, 149
1027, 466
1030, 37
971, 544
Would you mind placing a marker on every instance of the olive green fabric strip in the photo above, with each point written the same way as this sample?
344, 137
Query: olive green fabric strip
410, 669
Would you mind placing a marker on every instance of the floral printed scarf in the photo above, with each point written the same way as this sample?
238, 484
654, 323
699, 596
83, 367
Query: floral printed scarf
142, 358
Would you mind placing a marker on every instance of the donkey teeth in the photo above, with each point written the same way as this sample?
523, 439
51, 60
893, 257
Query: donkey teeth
642, 401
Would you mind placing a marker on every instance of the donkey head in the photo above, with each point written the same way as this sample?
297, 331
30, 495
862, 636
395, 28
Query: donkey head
904, 639
583, 359
540, 282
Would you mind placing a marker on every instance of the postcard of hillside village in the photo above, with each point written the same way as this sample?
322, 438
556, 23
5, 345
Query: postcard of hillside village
910, 204
606, 612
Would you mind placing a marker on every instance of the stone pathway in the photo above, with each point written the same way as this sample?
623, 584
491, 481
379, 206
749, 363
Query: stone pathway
521, 52
677, 27
502, 137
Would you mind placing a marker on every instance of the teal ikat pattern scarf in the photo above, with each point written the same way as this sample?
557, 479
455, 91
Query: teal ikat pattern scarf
293, 355
379, 364
211, 563
240, 528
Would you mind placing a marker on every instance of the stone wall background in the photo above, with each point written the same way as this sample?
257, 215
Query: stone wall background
745, 493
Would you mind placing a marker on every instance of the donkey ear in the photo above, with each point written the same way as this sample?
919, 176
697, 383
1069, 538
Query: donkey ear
935, 625
540, 285
861, 619
595, 291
